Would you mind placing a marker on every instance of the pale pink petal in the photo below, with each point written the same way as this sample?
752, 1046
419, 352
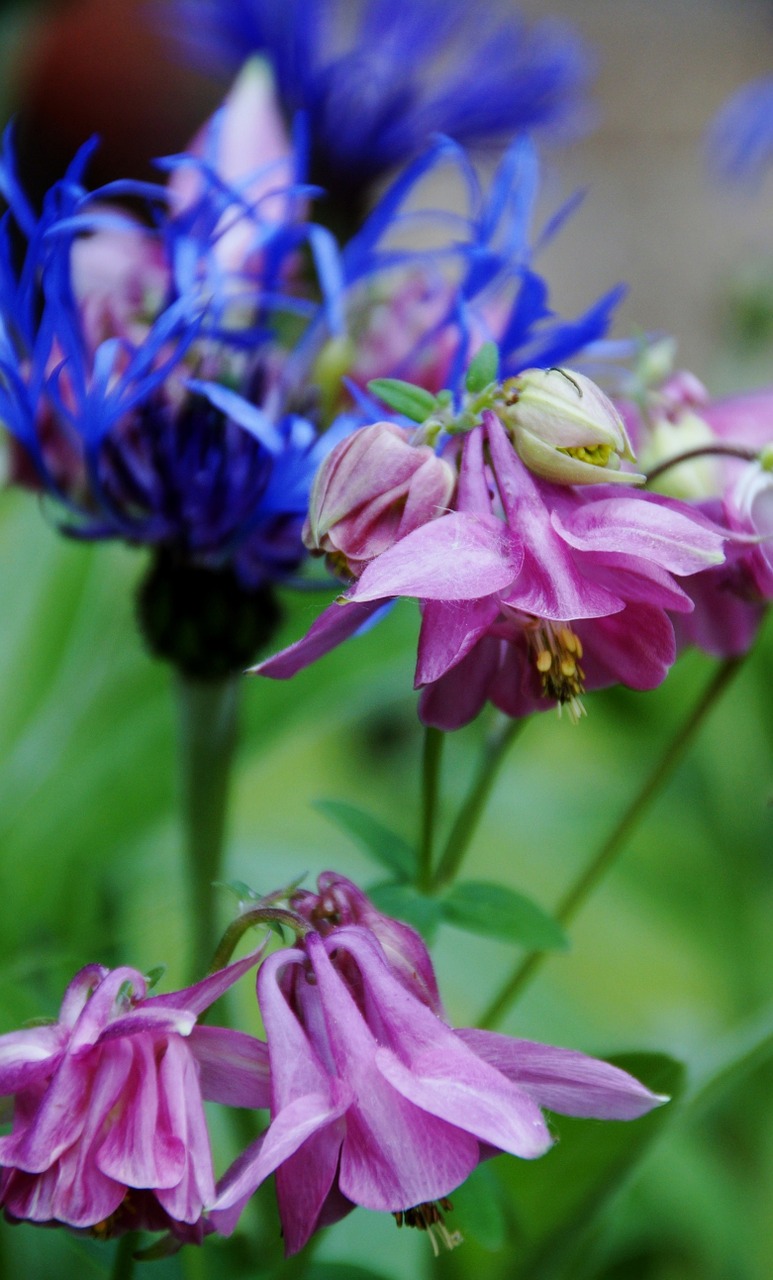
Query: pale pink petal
657, 529
456, 557
449, 630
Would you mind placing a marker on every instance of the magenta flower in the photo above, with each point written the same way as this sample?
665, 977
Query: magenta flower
109, 1132
376, 1101
529, 590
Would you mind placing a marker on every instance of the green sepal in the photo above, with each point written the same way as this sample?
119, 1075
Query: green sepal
495, 911
483, 369
241, 891
412, 401
384, 845
405, 903
154, 975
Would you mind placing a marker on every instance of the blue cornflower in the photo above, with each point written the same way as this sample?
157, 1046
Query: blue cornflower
376, 78
740, 139
139, 364
422, 320
142, 376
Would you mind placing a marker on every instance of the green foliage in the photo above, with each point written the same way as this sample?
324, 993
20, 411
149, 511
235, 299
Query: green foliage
413, 402
483, 369
494, 911
384, 845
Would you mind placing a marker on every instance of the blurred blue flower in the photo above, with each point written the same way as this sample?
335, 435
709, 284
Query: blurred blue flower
740, 138
141, 372
376, 78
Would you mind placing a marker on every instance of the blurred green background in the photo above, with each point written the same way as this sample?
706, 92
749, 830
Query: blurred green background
673, 953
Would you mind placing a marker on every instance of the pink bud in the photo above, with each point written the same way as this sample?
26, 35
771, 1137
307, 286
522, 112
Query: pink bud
373, 489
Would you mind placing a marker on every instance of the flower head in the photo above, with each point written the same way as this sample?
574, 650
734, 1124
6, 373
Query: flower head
109, 1132
530, 591
377, 1101
704, 450
375, 79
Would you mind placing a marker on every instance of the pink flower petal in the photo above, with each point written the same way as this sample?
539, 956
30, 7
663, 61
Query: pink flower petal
456, 557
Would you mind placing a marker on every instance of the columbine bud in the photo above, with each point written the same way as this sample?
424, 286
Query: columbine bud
373, 488
565, 429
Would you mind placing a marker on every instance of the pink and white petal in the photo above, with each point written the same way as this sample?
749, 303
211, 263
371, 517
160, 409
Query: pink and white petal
181, 1118
59, 1119
146, 1019
137, 1149
337, 623
456, 557
202, 994
463, 1090
396, 1154
564, 1080
293, 1125
78, 993
28, 1055
103, 1006
657, 529
233, 1067
449, 630
304, 1182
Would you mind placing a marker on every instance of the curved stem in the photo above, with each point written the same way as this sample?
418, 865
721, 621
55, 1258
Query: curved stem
469, 815
434, 740
578, 892
247, 920
703, 451
207, 739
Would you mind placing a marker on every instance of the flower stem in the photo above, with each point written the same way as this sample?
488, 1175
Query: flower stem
586, 882
123, 1258
434, 740
469, 815
207, 739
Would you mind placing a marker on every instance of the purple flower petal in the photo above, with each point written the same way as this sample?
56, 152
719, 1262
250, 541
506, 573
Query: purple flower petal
563, 1079
336, 624
456, 557
449, 630
233, 1066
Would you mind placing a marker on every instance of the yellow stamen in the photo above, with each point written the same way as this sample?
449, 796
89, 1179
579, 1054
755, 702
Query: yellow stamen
557, 653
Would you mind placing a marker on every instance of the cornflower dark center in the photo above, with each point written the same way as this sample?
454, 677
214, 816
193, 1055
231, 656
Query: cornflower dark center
557, 654
429, 1217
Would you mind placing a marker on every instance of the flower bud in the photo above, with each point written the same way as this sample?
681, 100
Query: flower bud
373, 488
565, 429
340, 903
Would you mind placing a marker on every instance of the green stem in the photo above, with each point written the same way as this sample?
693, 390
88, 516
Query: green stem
248, 920
586, 882
434, 740
469, 815
207, 740
123, 1258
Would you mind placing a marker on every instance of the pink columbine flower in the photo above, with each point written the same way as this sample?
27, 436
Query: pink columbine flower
529, 590
109, 1132
377, 1101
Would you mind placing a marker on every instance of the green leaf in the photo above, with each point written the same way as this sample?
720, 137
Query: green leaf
498, 912
385, 845
404, 903
484, 368
558, 1199
414, 402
